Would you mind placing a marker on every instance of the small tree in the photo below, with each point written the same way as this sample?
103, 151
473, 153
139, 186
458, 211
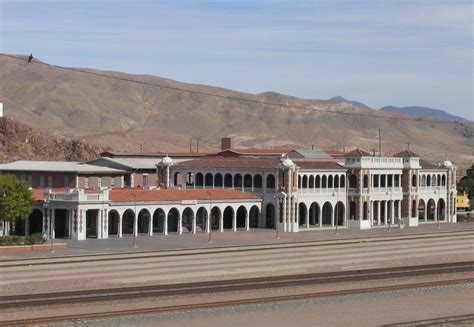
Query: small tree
15, 199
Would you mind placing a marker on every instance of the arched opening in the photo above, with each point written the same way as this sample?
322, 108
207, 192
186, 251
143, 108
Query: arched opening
441, 210
302, 214
218, 180
413, 181
423, 180
209, 180
299, 181
443, 180
327, 214
431, 209
241, 217
336, 181
215, 218
339, 210
352, 181
366, 181
253, 217
199, 180
113, 224
128, 218
305, 181
413, 208
270, 181
421, 209
343, 181
187, 218
318, 181
352, 210
438, 180
173, 220
324, 182
91, 223
201, 219
270, 215
237, 180
228, 217
428, 180
159, 217
228, 180
35, 222
248, 181
366, 211
144, 221
330, 181
314, 214
311, 182
257, 181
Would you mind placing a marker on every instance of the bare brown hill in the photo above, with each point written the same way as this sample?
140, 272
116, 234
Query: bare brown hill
125, 115
20, 142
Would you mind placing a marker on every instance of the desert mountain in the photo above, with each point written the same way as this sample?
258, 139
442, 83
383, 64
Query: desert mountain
20, 142
424, 112
126, 115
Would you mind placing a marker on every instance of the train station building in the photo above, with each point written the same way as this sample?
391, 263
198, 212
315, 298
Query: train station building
234, 189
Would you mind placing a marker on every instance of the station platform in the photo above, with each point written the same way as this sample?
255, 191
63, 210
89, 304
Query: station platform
230, 239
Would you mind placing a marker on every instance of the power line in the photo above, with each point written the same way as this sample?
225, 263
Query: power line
233, 98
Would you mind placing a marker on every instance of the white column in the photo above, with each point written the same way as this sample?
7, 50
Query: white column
135, 224
284, 214
378, 213
247, 220
307, 217
165, 228
180, 224
320, 217
333, 216
399, 209
100, 224
208, 225
435, 213
150, 225
426, 212
385, 210
221, 222
392, 212
119, 225
194, 223
371, 212
52, 220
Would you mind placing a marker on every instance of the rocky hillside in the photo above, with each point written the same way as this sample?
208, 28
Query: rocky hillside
126, 115
424, 112
19, 142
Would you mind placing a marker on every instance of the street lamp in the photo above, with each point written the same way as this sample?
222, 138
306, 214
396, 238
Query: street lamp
51, 250
134, 216
210, 217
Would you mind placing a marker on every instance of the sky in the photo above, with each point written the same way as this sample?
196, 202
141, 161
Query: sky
379, 52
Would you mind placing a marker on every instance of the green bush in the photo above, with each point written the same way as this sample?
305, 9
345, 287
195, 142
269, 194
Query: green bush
36, 238
11, 240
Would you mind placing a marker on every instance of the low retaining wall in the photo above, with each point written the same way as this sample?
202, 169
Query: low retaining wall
36, 247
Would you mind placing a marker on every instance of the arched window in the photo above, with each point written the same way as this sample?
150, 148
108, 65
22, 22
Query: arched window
330, 181
413, 181
366, 181
343, 181
324, 182
443, 180
270, 181
305, 181
311, 182
336, 181
318, 181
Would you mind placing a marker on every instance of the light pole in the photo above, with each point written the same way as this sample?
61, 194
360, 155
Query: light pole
337, 212
134, 216
51, 250
210, 217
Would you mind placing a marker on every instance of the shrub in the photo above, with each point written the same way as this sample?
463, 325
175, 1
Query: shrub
36, 238
11, 240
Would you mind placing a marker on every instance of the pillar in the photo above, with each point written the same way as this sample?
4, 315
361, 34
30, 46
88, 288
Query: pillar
221, 222
392, 212
307, 216
119, 225
385, 210
208, 225
234, 221
333, 216
194, 223
284, 214
378, 213
150, 225
247, 220
165, 227
320, 217
135, 224
180, 224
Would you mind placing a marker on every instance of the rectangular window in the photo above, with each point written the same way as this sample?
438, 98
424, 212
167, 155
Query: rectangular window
50, 181
41, 181
66, 181
99, 181
86, 182
30, 180
112, 181
145, 180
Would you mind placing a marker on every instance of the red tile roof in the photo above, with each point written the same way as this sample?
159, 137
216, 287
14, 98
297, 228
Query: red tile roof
426, 165
406, 154
334, 152
358, 153
313, 164
228, 162
255, 152
132, 195
154, 154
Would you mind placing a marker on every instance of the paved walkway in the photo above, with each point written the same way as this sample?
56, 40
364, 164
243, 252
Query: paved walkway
200, 240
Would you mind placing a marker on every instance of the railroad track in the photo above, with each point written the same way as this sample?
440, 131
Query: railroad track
156, 291
233, 303
131, 255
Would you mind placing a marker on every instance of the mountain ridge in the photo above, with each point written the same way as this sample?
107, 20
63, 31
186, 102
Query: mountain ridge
128, 116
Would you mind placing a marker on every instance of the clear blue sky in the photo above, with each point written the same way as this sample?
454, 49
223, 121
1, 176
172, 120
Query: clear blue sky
399, 52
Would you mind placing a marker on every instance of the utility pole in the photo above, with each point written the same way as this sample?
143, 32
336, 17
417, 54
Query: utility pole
380, 143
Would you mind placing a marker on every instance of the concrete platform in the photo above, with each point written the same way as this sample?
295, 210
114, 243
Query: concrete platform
161, 242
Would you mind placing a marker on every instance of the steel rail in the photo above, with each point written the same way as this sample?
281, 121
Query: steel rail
148, 291
231, 303
131, 255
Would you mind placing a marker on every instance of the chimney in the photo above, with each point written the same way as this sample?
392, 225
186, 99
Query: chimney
226, 143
